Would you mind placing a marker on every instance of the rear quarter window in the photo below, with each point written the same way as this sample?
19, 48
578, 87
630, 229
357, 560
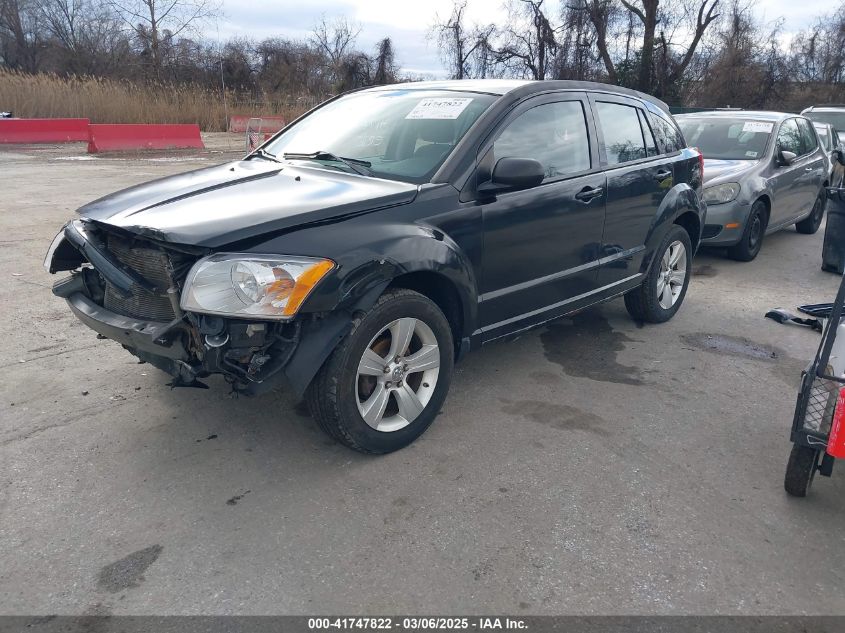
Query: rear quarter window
666, 132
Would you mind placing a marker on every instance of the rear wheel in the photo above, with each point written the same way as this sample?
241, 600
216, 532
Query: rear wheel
386, 381
752, 237
664, 288
812, 222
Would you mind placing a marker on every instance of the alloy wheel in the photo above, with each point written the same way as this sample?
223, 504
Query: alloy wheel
673, 273
397, 374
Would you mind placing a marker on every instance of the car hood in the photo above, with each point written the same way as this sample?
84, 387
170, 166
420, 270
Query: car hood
722, 170
224, 204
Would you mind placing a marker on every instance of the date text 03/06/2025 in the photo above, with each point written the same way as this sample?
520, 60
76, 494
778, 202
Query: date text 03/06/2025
416, 623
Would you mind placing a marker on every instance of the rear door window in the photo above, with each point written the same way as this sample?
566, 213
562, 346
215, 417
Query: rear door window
553, 133
623, 136
789, 137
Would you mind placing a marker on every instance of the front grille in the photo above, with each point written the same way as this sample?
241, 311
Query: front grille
151, 264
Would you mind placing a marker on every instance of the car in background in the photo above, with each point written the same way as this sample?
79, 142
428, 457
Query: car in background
763, 171
829, 139
834, 114
356, 255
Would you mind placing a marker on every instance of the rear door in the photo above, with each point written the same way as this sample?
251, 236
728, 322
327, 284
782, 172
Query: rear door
638, 179
541, 245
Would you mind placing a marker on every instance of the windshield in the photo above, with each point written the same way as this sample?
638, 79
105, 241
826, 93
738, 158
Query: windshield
836, 119
727, 139
401, 134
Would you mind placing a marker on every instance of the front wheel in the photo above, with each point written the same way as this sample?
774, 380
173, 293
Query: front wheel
751, 241
812, 222
385, 382
663, 291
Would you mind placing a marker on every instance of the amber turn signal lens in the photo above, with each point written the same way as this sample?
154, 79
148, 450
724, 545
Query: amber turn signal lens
732, 225
305, 284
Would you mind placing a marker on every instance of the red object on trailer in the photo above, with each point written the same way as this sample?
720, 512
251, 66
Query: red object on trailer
127, 137
836, 439
239, 123
43, 130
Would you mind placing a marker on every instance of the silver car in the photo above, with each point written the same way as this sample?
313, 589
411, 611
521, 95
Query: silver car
763, 171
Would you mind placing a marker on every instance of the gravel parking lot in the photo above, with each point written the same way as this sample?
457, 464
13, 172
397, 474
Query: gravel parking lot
589, 467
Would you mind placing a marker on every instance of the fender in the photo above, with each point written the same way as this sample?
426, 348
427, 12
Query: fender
389, 250
679, 200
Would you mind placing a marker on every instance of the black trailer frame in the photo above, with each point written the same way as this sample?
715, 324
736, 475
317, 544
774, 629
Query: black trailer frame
814, 410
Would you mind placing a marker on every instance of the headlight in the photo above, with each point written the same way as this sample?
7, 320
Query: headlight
720, 194
245, 285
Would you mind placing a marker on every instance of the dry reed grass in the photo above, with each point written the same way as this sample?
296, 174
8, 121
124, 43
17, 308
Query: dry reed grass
110, 101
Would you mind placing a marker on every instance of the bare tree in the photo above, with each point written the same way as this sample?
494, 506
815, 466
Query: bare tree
465, 50
385, 63
89, 35
20, 35
819, 55
530, 45
600, 13
649, 14
674, 72
157, 23
335, 40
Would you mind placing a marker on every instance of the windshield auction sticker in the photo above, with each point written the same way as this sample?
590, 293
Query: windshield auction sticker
757, 126
439, 108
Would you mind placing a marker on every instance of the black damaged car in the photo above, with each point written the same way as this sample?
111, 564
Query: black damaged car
366, 247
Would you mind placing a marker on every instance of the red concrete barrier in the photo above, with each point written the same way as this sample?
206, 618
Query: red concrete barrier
124, 137
43, 130
271, 124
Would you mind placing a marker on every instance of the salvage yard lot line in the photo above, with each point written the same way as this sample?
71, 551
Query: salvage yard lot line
34, 358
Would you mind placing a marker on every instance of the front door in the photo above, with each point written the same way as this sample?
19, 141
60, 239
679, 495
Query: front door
786, 184
542, 245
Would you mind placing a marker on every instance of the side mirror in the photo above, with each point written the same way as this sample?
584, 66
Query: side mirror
513, 174
786, 158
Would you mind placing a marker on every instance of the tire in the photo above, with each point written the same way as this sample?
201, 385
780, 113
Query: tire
800, 470
362, 376
811, 224
649, 301
751, 242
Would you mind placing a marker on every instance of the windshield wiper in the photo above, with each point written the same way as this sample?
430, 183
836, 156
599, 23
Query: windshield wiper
263, 153
352, 163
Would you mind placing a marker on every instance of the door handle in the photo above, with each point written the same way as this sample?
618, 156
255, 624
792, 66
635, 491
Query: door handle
809, 168
662, 175
587, 194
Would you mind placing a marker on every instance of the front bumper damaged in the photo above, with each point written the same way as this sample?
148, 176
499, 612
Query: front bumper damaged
253, 356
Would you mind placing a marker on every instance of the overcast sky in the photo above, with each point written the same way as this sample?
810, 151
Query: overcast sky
408, 22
